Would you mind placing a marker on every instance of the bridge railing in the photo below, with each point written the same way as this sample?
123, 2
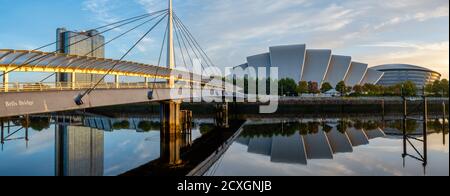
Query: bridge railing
67, 86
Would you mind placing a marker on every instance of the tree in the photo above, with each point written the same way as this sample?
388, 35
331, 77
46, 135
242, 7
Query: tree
302, 87
341, 88
313, 87
438, 88
358, 90
445, 87
326, 87
287, 87
372, 89
409, 88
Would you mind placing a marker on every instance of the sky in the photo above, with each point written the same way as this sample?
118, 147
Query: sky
371, 31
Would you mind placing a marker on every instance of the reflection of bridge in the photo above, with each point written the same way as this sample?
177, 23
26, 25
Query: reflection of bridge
23, 99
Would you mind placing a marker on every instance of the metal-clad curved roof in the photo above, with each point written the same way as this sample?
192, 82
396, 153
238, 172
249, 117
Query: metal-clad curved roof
372, 76
387, 67
339, 67
356, 73
288, 58
316, 65
38, 61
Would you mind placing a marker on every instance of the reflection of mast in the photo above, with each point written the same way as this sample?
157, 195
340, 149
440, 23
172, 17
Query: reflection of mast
78, 151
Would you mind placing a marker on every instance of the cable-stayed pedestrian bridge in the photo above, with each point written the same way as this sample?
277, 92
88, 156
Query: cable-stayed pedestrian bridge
69, 92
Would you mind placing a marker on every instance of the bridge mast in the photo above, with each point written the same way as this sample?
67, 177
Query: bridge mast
170, 49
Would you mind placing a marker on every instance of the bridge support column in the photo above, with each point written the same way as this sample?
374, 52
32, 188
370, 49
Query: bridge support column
73, 81
117, 81
5, 82
221, 119
170, 117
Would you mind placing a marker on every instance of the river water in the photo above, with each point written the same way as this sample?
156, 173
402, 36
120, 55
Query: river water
99, 146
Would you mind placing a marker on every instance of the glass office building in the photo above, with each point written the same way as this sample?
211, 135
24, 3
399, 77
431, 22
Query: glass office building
88, 43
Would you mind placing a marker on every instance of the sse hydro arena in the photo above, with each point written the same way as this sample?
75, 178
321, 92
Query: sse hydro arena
397, 73
301, 64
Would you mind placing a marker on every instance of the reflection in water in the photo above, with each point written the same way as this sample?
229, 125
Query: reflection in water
107, 146
318, 141
79, 151
89, 146
333, 147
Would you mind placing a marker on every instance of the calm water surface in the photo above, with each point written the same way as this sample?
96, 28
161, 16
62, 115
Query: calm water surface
104, 146
303, 147
96, 147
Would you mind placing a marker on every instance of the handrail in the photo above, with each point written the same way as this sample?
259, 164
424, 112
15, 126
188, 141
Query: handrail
68, 86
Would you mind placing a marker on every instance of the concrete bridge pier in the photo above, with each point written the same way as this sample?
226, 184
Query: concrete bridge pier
170, 117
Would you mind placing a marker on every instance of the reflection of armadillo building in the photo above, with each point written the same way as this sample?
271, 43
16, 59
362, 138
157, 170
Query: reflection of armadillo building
301, 64
298, 149
79, 151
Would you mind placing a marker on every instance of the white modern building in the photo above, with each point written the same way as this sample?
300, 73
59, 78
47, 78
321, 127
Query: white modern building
302, 64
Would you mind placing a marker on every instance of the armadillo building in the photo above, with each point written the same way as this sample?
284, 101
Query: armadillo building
302, 64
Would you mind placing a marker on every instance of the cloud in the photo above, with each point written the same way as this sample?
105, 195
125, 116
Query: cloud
439, 12
151, 5
231, 30
432, 55
144, 45
102, 9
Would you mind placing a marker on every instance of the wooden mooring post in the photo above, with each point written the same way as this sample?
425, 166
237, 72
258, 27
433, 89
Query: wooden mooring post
186, 121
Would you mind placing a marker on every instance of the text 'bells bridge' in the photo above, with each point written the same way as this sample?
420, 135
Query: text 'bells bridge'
18, 98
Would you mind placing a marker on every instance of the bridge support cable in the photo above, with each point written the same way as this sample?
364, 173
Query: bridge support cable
177, 32
78, 99
33, 60
190, 44
162, 46
48, 77
181, 49
124, 33
193, 39
104, 26
150, 93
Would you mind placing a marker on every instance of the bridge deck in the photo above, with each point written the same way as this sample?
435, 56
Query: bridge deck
21, 103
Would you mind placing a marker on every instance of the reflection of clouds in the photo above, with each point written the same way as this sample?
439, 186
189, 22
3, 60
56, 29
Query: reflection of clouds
38, 141
124, 143
133, 152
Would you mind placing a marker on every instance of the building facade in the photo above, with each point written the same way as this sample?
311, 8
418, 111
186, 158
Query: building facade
311, 65
398, 73
88, 43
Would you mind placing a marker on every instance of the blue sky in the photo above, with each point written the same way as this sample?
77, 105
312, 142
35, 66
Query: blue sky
372, 31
